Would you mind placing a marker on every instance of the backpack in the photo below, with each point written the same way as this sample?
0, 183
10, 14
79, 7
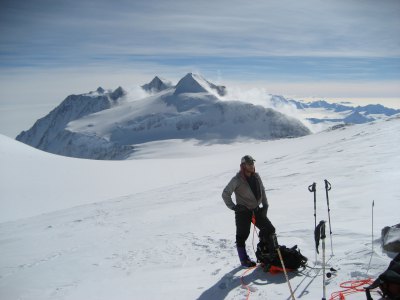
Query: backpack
388, 281
266, 255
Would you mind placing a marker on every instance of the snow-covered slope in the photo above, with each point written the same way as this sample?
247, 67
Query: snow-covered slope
191, 109
33, 182
162, 231
49, 133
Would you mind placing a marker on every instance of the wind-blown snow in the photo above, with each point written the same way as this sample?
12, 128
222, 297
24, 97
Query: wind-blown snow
112, 128
160, 230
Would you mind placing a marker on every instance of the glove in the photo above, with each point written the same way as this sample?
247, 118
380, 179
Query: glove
264, 210
239, 207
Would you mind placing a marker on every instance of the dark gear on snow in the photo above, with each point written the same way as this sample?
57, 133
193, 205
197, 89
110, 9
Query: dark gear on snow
267, 255
388, 281
319, 234
391, 238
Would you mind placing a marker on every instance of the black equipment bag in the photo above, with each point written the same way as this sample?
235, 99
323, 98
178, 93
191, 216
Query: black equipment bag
268, 256
388, 281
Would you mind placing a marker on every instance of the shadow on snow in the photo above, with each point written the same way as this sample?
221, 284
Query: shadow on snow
254, 280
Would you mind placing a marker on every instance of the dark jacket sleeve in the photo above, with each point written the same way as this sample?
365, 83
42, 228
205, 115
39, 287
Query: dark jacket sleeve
264, 199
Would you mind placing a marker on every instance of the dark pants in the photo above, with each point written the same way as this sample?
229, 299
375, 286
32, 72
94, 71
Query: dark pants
243, 219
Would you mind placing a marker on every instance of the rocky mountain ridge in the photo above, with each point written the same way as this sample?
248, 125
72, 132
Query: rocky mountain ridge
99, 125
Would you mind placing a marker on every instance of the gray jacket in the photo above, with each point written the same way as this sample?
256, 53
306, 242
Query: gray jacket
243, 193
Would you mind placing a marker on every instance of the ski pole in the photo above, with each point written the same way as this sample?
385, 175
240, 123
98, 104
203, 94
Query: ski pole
323, 236
319, 234
276, 246
312, 189
373, 204
328, 188
372, 237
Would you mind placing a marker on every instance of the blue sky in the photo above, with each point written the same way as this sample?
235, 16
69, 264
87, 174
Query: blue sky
321, 48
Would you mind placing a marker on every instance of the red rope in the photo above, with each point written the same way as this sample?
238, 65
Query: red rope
253, 220
245, 285
351, 287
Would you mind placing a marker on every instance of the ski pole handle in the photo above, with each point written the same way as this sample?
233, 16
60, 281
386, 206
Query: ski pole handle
311, 188
327, 185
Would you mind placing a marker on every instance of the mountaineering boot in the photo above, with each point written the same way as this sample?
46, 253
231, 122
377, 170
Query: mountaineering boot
245, 260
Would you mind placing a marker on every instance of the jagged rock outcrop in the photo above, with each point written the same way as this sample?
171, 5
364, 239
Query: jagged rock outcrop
157, 85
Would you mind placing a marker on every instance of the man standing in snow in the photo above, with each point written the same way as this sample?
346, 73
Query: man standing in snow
250, 193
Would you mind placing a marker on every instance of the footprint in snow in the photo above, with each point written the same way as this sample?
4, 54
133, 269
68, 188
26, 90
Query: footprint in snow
216, 272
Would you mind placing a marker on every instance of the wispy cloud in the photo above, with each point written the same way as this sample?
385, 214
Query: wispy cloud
84, 29
278, 43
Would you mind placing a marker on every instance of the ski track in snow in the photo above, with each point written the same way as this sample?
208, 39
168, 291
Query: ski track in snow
177, 242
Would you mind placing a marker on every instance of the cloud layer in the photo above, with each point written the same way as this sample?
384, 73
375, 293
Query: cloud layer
341, 48
75, 31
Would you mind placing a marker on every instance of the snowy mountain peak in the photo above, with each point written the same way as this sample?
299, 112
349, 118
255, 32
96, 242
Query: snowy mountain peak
46, 133
157, 85
194, 83
118, 93
100, 126
100, 90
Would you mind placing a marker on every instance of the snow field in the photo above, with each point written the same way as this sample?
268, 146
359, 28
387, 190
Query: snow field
152, 228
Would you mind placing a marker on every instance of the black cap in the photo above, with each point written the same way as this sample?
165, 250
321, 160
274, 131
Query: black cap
247, 159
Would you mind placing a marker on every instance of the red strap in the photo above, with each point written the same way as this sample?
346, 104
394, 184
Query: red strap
253, 219
275, 270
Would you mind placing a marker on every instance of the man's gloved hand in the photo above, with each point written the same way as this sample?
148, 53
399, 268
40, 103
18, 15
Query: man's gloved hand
264, 210
239, 207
